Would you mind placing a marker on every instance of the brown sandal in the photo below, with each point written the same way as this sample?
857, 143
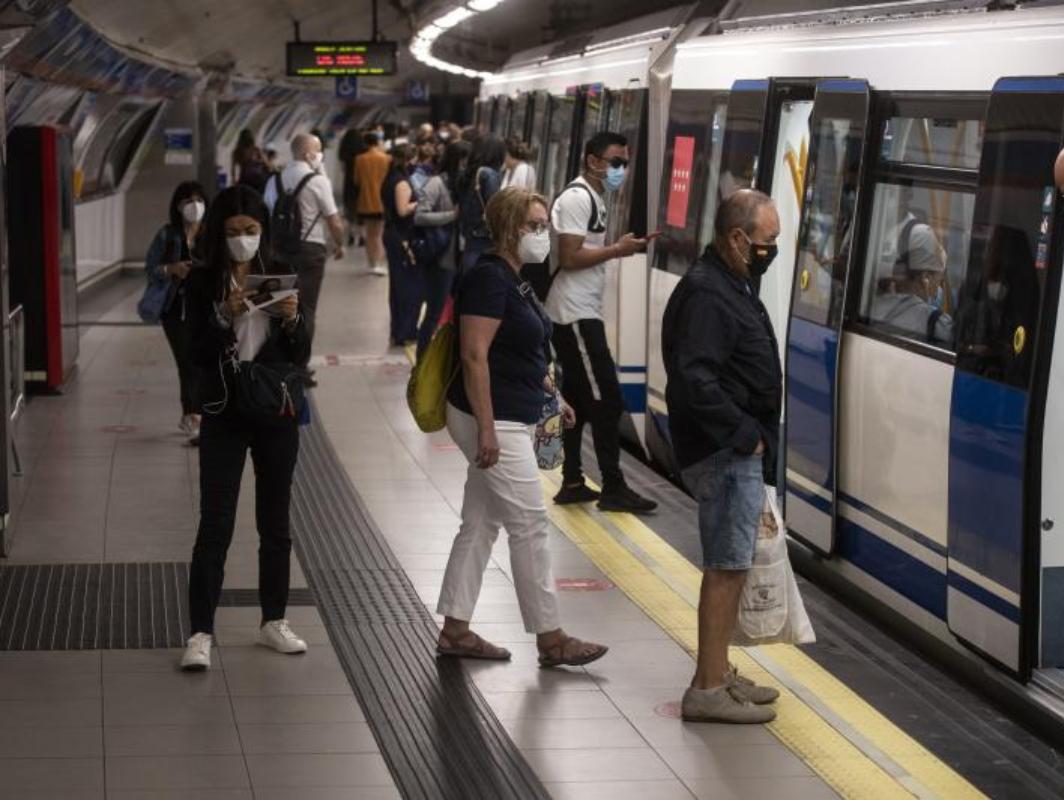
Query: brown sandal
469, 645
571, 652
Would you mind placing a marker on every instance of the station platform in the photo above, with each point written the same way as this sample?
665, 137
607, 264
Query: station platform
93, 615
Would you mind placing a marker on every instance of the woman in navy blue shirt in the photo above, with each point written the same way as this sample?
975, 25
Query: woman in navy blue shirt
504, 346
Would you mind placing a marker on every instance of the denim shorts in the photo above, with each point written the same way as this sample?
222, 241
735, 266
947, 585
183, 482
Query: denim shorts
730, 490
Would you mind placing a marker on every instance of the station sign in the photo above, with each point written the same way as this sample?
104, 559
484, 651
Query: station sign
341, 59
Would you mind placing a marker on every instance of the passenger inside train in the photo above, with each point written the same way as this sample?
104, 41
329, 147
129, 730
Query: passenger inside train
703, 441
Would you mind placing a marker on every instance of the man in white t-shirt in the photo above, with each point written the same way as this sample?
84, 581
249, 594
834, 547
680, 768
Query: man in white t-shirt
318, 211
574, 302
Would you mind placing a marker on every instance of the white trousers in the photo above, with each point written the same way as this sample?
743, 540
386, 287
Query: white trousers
507, 495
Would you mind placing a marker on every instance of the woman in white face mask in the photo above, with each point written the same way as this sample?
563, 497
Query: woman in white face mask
227, 335
167, 266
493, 406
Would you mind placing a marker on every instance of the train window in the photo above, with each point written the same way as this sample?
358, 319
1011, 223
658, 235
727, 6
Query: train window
690, 170
556, 172
915, 261
1000, 301
953, 143
627, 207
827, 231
535, 136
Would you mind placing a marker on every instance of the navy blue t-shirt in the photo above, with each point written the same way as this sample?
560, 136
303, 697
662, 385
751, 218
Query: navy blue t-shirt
517, 359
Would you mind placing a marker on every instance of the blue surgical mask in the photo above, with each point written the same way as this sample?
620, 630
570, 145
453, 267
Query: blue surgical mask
614, 178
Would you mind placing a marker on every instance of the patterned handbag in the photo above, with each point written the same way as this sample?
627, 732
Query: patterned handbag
548, 440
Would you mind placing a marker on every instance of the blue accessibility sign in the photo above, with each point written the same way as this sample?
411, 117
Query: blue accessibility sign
347, 88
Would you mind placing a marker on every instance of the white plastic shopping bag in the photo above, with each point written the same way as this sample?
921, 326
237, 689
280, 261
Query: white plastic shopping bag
770, 608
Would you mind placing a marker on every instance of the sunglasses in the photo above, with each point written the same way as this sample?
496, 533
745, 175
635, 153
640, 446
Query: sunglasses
617, 161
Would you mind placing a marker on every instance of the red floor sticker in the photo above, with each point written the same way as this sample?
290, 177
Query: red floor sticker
668, 710
445, 446
583, 585
332, 360
118, 428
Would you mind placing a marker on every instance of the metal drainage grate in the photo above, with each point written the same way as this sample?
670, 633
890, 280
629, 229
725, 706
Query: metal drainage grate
103, 606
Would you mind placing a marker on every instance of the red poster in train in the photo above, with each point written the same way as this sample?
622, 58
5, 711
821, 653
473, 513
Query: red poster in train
683, 159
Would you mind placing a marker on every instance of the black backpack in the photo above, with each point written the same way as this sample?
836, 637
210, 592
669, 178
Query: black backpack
540, 276
286, 221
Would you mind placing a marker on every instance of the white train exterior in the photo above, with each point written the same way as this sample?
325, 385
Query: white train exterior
921, 461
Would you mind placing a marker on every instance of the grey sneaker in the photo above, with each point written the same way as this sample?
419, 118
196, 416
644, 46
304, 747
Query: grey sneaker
758, 695
723, 704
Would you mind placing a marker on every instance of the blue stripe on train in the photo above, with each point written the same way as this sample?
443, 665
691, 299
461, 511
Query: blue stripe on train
635, 397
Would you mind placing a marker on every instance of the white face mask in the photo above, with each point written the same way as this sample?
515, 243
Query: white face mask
242, 248
534, 247
193, 211
316, 160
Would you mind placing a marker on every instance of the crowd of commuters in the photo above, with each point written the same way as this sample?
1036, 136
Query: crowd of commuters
451, 216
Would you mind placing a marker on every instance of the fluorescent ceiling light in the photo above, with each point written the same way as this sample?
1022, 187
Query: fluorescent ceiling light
483, 5
452, 18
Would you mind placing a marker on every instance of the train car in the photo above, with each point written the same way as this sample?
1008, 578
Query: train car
920, 427
555, 98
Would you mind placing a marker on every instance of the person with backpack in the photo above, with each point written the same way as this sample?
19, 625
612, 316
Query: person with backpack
574, 302
167, 267
301, 203
482, 179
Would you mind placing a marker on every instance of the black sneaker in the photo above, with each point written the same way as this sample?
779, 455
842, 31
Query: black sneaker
576, 494
624, 499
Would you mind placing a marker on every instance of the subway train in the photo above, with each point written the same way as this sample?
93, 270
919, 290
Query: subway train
923, 423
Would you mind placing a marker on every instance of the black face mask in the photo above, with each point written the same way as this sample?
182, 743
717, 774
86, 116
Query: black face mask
761, 256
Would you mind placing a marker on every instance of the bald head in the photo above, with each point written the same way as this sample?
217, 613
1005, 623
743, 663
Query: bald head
304, 145
745, 218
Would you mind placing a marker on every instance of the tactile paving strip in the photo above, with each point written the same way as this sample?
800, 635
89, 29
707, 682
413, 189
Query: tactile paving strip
103, 606
435, 730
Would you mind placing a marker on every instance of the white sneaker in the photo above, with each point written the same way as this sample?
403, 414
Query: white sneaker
277, 635
377, 269
197, 656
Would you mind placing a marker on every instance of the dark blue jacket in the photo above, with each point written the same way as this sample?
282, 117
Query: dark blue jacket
725, 385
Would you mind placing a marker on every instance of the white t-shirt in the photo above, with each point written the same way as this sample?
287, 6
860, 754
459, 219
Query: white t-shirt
577, 294
522, 176
316, 199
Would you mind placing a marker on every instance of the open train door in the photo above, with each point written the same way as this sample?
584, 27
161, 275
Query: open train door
838, 128
1003, 333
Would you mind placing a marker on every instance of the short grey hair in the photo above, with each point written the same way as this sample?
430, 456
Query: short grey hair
739, 210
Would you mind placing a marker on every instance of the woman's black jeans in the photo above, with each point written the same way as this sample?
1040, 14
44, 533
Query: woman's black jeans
179, 338
224, 442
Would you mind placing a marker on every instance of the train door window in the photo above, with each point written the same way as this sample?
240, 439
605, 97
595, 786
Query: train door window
536, 133
690, 171
625, 206
1000, 301
595, 118
827, 235
920, 224
915, 261
558, 141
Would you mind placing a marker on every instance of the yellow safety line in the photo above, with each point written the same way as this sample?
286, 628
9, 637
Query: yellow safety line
672, 603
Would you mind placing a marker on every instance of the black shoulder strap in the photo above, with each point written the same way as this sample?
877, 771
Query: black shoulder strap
299, 186
593, 220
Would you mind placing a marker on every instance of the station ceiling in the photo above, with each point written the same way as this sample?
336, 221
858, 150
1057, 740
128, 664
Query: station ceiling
248, 36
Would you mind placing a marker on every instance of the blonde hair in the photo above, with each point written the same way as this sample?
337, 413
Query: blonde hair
505, 214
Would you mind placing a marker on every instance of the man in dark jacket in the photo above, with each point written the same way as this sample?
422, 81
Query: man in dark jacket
724, 399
